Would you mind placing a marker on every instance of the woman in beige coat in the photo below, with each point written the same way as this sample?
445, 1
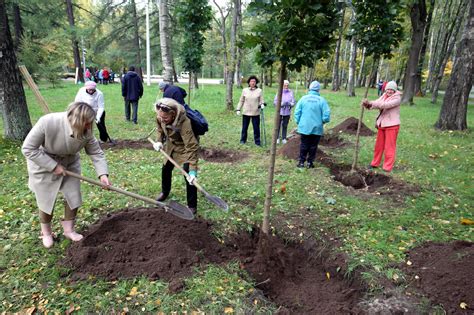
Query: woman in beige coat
251, 102
53, 146
180, 143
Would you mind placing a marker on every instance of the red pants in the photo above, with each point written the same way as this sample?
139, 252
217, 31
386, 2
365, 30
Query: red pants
386, 143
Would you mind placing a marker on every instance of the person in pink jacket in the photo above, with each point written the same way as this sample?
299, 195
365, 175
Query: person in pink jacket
388, 125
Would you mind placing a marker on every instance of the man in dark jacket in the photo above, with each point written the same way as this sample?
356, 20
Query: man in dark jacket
132, 90
173, 91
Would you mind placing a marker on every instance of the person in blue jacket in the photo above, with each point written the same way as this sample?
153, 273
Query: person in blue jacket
311, 113
173, 91
132, 91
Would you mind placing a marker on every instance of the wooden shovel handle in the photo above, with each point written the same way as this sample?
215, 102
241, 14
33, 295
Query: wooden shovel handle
121, 191
195, 183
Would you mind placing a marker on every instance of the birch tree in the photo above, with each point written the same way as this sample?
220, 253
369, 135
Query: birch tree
165, 42
75, 43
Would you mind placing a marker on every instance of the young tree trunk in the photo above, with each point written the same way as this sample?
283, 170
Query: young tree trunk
335, 70
270, 76
237, 76
342, 76
13, 107
195, 81
238, 50
453, 34
454, 109
418, 79
136, 40
271, 166
222, 29
165, 42
361, 70
233, 57
418, 22
18, 26
352, 69
75, 43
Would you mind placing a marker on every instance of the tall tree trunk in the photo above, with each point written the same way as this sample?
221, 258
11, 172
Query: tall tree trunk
361, 70
238, 52
454, 109
418, 22
426, 36
342, 76
352, 68
233, 55
271, 166
13, 107
451, 39
18, 26
136, 40
195, 80
270, 76
335, 70
175, 73
75, 43
237, 75
165, 42
222, 29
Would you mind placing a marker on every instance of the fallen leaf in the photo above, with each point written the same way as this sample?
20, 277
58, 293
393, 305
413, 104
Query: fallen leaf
328, 275
228, 310
463, 305
133, 291
467, 222
70, 309
29, 310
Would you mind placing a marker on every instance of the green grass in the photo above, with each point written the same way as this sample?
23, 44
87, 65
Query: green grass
374, 231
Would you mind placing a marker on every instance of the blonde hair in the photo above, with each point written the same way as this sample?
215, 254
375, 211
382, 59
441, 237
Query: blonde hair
79, 114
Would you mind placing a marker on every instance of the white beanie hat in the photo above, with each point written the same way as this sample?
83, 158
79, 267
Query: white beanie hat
392, 85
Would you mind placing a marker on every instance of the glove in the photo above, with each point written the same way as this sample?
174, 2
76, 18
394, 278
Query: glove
192, 177
262, 106
238, 113
158, 146
97, 120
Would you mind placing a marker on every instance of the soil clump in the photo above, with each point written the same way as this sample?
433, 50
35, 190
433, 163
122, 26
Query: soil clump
350, 126
442, 272
332, 141
150, 242
127, 144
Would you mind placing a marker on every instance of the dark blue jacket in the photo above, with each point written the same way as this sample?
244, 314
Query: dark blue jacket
132, 87
175, 92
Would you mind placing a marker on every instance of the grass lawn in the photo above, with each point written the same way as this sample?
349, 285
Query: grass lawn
373, 231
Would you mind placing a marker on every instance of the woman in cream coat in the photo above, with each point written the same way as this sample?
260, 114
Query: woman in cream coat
53, 146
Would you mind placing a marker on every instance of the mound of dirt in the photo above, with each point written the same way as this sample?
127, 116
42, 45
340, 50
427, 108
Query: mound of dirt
332, 141
153, 243
221, 156
350, 126
372, 181
443, 272
127, 144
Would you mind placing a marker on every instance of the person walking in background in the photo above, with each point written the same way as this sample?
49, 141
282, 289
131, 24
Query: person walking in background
105, 75
95, 98
132, 91
311, 113
51, 147
177, 139
88, 74
100, 75
173, 91
287, 102
379, 87
250, 103
388, 125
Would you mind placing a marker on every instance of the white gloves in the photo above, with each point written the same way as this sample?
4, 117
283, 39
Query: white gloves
262, 106
97, 120
191, 177
238, 113
158, 146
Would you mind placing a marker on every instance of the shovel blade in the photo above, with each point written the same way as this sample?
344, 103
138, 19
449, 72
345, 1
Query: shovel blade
218, 202
179, 210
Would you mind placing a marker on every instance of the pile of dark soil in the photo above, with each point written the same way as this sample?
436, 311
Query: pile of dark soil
151, 242
221, 156
350, 126
361, 179
332, 141
443, 272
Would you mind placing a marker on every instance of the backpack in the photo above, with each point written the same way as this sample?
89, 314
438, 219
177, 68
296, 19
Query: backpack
198, 121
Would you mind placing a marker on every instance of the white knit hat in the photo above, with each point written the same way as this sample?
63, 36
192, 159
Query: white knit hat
392, 85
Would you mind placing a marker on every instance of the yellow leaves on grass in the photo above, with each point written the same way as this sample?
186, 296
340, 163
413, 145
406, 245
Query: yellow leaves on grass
463, 305
228, 310
467, 221
133, 291
328, 275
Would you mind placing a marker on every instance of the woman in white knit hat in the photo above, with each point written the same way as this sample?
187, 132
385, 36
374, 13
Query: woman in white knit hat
388, 125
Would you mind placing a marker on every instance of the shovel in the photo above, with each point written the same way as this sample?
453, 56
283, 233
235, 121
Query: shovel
149, 134
172, 207
214, 199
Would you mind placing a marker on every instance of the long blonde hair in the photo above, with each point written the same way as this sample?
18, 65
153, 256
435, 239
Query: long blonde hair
79, 114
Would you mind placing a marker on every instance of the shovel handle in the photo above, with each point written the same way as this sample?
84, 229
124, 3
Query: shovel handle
195, 183
120, 191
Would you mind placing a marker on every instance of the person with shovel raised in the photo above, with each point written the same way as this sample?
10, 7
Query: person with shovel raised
51, 148
176, 139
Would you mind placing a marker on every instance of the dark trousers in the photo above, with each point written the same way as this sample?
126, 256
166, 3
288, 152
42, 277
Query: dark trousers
283, 126
245, 127
103, 135
134, 105
166, 177
308, 148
